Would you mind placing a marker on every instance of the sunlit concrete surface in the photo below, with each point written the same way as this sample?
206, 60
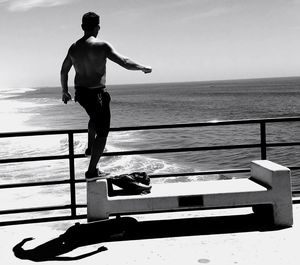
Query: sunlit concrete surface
198, 237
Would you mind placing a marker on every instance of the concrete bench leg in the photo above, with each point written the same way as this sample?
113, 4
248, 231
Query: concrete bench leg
283, 214
274, 214
97, 200
278, 180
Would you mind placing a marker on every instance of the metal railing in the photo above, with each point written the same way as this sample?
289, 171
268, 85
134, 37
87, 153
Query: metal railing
71, 156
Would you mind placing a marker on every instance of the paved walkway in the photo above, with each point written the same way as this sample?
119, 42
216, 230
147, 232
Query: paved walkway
210, 237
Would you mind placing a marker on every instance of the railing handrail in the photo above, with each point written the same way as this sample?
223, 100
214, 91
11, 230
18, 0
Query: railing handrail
71, 157
153, 127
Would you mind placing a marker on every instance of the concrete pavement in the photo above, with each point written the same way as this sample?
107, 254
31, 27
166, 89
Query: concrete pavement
200, 237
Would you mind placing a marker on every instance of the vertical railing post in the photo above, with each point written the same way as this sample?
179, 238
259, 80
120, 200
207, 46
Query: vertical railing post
72, 174
263, 141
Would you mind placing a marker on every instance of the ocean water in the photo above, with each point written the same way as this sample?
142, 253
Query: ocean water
29, 109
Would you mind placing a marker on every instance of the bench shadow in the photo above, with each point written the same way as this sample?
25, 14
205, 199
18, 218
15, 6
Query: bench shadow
200, 226
128, 228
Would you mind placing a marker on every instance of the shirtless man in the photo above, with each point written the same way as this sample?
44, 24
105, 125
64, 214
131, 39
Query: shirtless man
88, 57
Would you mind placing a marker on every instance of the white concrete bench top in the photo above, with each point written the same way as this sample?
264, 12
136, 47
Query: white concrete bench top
199, 188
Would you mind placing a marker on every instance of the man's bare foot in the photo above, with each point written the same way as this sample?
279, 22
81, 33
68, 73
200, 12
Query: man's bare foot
97, 174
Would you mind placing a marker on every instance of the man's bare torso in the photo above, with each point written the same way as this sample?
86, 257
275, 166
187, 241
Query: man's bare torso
89, 60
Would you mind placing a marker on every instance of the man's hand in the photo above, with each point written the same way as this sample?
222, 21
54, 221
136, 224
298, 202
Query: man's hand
147, 69
66, 96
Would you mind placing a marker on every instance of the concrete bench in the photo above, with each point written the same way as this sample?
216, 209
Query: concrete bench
268, 190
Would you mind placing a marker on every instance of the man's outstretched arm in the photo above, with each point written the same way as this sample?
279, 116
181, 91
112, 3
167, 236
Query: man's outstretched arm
66, 66
126, 62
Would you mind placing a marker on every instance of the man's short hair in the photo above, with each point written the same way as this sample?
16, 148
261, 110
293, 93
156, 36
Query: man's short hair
90, 20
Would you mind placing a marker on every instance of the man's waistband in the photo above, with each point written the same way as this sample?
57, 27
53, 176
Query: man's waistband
91, 89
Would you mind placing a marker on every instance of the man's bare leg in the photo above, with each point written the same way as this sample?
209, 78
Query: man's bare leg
91, 137
97, 151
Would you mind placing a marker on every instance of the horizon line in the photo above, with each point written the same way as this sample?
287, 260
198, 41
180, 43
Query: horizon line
178, 82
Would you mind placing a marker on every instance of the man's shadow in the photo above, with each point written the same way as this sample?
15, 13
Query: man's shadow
49, 251
127, 228
76, 236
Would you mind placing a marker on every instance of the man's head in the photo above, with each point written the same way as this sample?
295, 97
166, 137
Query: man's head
90, 22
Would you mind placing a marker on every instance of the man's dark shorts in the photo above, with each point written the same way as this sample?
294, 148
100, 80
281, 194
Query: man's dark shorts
96, 103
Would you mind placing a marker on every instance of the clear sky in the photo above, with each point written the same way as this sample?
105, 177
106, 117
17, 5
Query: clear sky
183, 40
